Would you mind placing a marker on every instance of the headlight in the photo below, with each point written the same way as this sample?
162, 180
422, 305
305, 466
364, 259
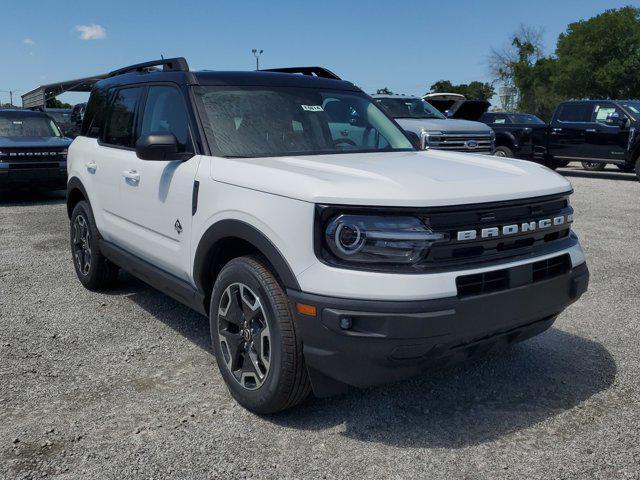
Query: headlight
428, 135
368, 239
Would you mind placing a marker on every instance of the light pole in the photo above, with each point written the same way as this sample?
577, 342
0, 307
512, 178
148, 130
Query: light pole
257, 53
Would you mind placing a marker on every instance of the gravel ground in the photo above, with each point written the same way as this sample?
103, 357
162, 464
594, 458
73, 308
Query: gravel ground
122, 384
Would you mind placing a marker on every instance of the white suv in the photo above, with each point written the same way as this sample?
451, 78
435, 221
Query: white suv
295, 214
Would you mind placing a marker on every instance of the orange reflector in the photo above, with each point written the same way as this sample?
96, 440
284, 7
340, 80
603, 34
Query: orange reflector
306, 309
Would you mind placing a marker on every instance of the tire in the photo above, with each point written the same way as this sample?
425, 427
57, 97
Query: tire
625, 167
638, 168
504, 152
594, 166
94, 271
254, 338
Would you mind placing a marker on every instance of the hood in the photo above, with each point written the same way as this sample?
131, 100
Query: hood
409, 179
416, 125
34, 142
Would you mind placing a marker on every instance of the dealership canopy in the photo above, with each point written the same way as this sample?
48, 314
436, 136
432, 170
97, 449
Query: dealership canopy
38, 96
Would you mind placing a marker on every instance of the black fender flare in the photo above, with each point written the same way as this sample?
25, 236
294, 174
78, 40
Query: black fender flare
231, 228
74, 183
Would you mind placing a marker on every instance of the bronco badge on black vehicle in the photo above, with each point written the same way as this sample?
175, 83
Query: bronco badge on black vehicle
321, 260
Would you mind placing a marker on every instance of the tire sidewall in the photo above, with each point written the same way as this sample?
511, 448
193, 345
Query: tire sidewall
82, 208
258, 400
508, 153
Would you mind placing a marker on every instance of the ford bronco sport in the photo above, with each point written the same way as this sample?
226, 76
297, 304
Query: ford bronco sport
321, 259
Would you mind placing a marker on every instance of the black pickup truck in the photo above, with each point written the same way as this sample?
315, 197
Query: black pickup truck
33, 152
594, 132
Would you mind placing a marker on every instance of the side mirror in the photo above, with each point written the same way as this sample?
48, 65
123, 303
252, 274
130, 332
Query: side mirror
157, 146
448, 113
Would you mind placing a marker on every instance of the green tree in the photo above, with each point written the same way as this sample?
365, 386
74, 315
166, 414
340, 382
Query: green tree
55, 103
384, 91
473, 91
600, 57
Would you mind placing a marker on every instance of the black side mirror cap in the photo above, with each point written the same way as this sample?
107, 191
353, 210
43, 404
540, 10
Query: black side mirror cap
414, 139
159, 146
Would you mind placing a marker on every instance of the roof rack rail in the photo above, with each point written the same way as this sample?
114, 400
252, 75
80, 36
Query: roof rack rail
178, 64
311, 71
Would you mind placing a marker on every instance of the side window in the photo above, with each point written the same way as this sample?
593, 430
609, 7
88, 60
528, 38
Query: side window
120, 124
165, 111
606, 114
500, 119
575, 113
93, 120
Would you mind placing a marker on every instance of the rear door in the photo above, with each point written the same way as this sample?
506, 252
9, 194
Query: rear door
609, 138
567, 136
157, 195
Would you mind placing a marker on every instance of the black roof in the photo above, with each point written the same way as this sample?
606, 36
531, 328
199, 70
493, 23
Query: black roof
177, 70
257, 78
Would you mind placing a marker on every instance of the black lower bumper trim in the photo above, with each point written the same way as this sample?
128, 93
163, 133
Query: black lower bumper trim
367, 342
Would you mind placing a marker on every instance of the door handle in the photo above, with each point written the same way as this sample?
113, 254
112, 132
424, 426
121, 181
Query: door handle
591, 130
132, 177
556, 130
91, 167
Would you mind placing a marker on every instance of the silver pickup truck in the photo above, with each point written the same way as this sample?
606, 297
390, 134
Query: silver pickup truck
434, 129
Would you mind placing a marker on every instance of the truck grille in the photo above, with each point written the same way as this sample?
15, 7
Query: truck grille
22, 158
452, 220
462, 142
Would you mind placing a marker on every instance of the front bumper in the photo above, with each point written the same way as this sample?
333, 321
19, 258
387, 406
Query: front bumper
388, 341
54, 177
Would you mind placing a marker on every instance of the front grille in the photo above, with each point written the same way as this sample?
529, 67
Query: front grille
461, 142
497, 280
32, 155
453, 252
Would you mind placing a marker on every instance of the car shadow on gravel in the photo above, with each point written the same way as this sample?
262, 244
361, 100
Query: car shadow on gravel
472, 403
31, 197
454, 407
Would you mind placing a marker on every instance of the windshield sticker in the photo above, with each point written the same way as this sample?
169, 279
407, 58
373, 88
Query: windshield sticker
17, 122
312, 108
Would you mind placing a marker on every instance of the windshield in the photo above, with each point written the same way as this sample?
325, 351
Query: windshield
278, 121
409, 108
60, 117
27, 126
633, 106
525, 119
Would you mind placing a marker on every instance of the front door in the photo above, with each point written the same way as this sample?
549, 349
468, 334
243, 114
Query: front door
157, 196
568, 130
609, 137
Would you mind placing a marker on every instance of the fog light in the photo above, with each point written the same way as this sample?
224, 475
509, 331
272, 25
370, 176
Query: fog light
346, 323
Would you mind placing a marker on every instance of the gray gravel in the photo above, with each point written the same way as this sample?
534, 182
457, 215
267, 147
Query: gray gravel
122, 384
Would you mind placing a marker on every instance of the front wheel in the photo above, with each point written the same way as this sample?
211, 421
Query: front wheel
504, 152
93, 270
594, 166
257, 347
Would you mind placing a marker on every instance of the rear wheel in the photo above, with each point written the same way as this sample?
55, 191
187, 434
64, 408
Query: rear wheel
257, 347
93, 270
594, 166
504, 152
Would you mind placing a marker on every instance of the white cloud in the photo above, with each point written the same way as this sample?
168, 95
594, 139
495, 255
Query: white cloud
91, 32
29, 41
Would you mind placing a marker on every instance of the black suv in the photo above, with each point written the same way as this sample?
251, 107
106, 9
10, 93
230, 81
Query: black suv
33, 152
514, 132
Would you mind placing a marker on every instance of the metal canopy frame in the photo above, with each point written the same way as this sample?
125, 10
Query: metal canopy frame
37, 98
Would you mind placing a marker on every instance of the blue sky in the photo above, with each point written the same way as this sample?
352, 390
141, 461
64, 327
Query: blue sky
405, 46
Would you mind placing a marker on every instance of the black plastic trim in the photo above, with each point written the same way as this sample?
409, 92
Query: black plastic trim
165, 282
238, 229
